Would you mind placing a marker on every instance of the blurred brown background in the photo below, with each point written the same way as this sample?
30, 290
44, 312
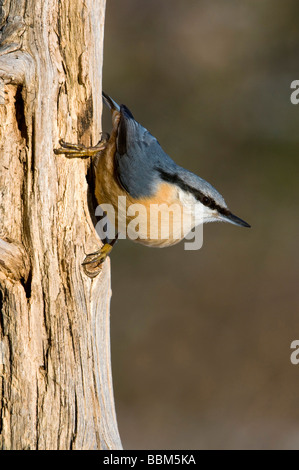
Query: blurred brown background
201, 339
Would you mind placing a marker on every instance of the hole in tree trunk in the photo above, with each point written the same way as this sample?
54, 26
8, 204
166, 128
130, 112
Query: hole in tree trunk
27, 285
20, 113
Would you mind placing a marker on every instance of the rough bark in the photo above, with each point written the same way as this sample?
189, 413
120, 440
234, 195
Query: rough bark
55, 377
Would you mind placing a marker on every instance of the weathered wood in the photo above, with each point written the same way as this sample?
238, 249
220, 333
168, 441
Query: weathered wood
55, 380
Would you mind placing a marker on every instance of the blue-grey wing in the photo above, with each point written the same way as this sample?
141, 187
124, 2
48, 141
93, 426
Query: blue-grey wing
138, 157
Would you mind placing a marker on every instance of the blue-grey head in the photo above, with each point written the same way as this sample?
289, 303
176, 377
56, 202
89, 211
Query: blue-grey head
209, 205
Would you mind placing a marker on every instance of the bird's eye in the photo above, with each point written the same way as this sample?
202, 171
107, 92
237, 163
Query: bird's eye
206, 201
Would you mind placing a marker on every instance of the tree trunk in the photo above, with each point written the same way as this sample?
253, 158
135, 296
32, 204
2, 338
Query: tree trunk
55, 377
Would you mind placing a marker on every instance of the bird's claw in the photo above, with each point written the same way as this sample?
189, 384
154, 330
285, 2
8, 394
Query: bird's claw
79, 150
92, 264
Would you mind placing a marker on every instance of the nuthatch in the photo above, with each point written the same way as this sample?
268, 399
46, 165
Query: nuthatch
131, 163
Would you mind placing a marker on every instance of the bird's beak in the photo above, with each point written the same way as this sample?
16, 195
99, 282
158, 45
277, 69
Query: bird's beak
233, 219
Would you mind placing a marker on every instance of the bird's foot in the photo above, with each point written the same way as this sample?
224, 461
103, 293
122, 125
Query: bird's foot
92, 264
79, 150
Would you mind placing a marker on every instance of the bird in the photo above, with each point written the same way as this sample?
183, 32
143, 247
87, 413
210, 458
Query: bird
131, 166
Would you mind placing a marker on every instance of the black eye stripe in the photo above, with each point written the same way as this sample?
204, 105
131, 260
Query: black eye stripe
205, 200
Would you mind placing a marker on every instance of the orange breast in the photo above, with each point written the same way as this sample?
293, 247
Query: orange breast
145, 222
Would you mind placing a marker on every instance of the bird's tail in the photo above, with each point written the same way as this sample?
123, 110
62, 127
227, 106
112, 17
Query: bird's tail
110, 102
